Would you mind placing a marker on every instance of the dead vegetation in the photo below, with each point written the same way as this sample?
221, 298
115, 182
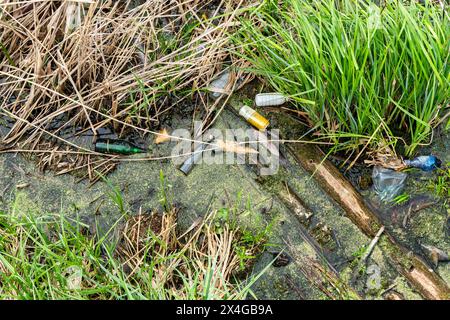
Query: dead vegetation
96, 64
322, 277
326, 281
50, 258
206, 256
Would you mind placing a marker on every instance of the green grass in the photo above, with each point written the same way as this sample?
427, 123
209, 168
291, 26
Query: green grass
7, 55
358, 71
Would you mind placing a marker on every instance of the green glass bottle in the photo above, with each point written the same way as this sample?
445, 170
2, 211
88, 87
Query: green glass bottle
117, 146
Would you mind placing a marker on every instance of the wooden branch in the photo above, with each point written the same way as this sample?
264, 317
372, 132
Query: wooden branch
367, 253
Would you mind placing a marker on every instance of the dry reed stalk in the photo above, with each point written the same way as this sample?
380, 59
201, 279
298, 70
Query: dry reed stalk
206, 253
92, 64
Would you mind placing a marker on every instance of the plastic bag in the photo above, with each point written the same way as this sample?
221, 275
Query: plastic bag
387, 183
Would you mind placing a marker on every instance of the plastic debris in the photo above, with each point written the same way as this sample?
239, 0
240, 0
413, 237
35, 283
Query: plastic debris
387, 183
117, 146
187, 166
270, 99
425, 163
254, 118
235, 147
162, 136
219, 84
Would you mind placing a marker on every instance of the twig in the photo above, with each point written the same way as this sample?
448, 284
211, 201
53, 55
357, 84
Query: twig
367, 254
371, 246
392, 286
407, 215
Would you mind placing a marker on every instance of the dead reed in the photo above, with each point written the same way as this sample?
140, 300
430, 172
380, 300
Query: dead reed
203, 258
93, 64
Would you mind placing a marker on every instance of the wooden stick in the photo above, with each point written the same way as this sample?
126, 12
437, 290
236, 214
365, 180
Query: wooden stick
372, 245
367, 253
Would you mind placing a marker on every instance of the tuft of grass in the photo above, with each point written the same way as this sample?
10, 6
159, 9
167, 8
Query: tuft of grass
6, 54
402, 198
354, 67
441, 184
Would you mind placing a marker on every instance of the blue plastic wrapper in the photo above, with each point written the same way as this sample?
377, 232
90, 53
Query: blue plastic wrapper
387, 183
